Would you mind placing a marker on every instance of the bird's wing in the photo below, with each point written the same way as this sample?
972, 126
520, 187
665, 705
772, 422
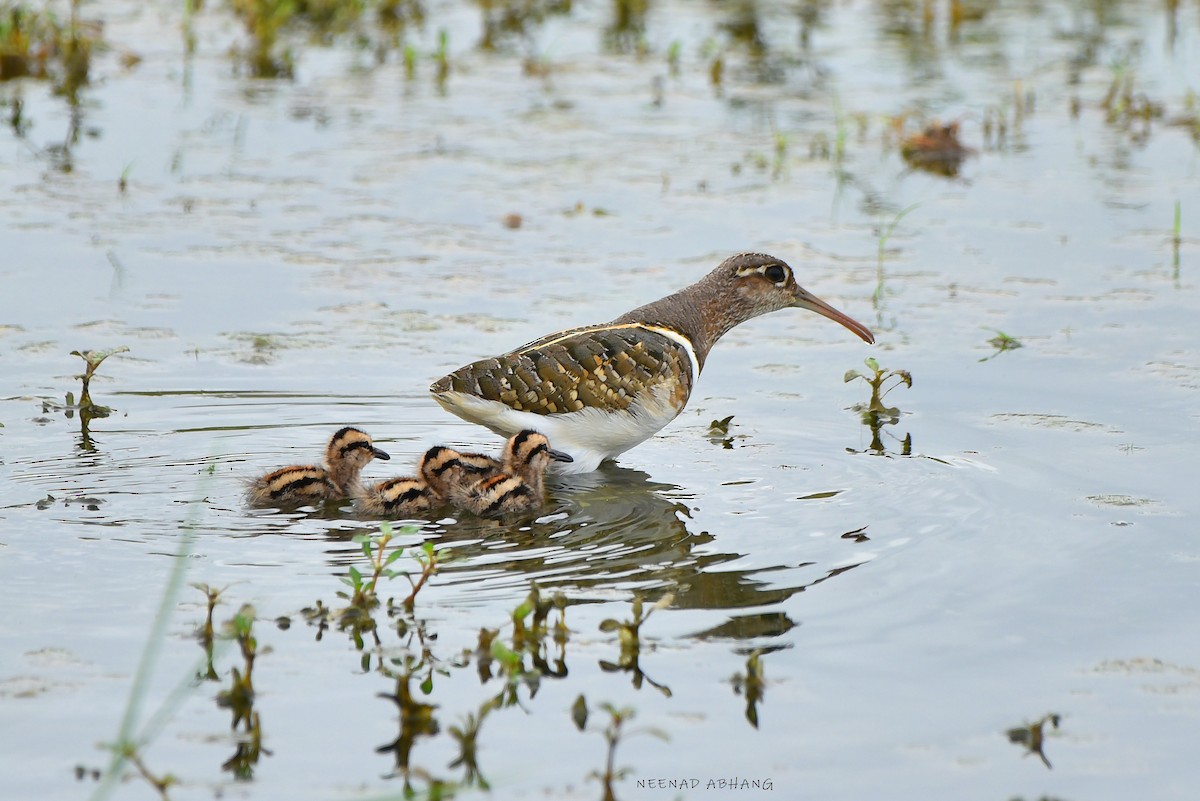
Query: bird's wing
605, 367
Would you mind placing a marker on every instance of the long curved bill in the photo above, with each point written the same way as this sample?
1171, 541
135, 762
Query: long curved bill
807, 300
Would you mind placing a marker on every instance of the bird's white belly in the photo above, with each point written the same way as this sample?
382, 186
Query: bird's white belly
589, 435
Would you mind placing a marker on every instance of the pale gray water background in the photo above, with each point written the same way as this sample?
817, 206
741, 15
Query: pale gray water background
1036, 553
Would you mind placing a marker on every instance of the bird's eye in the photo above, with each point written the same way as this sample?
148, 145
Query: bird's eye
775, 274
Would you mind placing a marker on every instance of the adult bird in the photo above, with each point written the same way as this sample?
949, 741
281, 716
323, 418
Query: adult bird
598, 390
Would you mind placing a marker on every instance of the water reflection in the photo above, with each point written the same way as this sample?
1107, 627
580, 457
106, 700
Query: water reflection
616, 528
416, 721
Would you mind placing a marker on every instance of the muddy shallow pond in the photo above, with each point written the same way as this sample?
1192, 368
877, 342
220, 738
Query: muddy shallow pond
990, 590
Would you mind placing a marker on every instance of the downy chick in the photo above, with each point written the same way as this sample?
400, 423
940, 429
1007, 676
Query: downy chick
414, 495
520, 487
348, 452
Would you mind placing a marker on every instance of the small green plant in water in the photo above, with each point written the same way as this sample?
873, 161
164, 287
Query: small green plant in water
875, 414
36, 44
1176, 240
206, 634
416, 720
512, 666
410, 62
129, 753
613, 733
92, 359
1001, 342
358, 616
466, 736
881, 382
751, 685
674, 52
781, 154
531, 625
441, 58
629, 637
123, 181
718, 432
540, 608
88, 410
1032, 736
885, 233
240, 696
264, 20
427, 557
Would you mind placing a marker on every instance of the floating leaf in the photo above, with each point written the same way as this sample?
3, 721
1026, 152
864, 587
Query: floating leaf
720, 426
579, 712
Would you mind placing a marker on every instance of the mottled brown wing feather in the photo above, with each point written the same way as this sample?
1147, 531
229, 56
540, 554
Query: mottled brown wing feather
600, 366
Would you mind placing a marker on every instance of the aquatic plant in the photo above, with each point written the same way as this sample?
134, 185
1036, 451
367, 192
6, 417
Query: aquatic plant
674, 54
123, 180
239, 697
263, 21
357, 617
132, 733
629, 637
416, 720
874, 408
614, 732
627, 31
718, 432
751, 684
1125, 107
874, 413
538, 609
37, 44
781, 153
884, 233
206, 634
441, 59
716, 71
87, 408
92, 361
1176, 240
504, 20
1032, 736
1001, 342
427, 557
466, 736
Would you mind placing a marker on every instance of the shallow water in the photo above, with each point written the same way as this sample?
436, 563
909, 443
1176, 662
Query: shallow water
290, 257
